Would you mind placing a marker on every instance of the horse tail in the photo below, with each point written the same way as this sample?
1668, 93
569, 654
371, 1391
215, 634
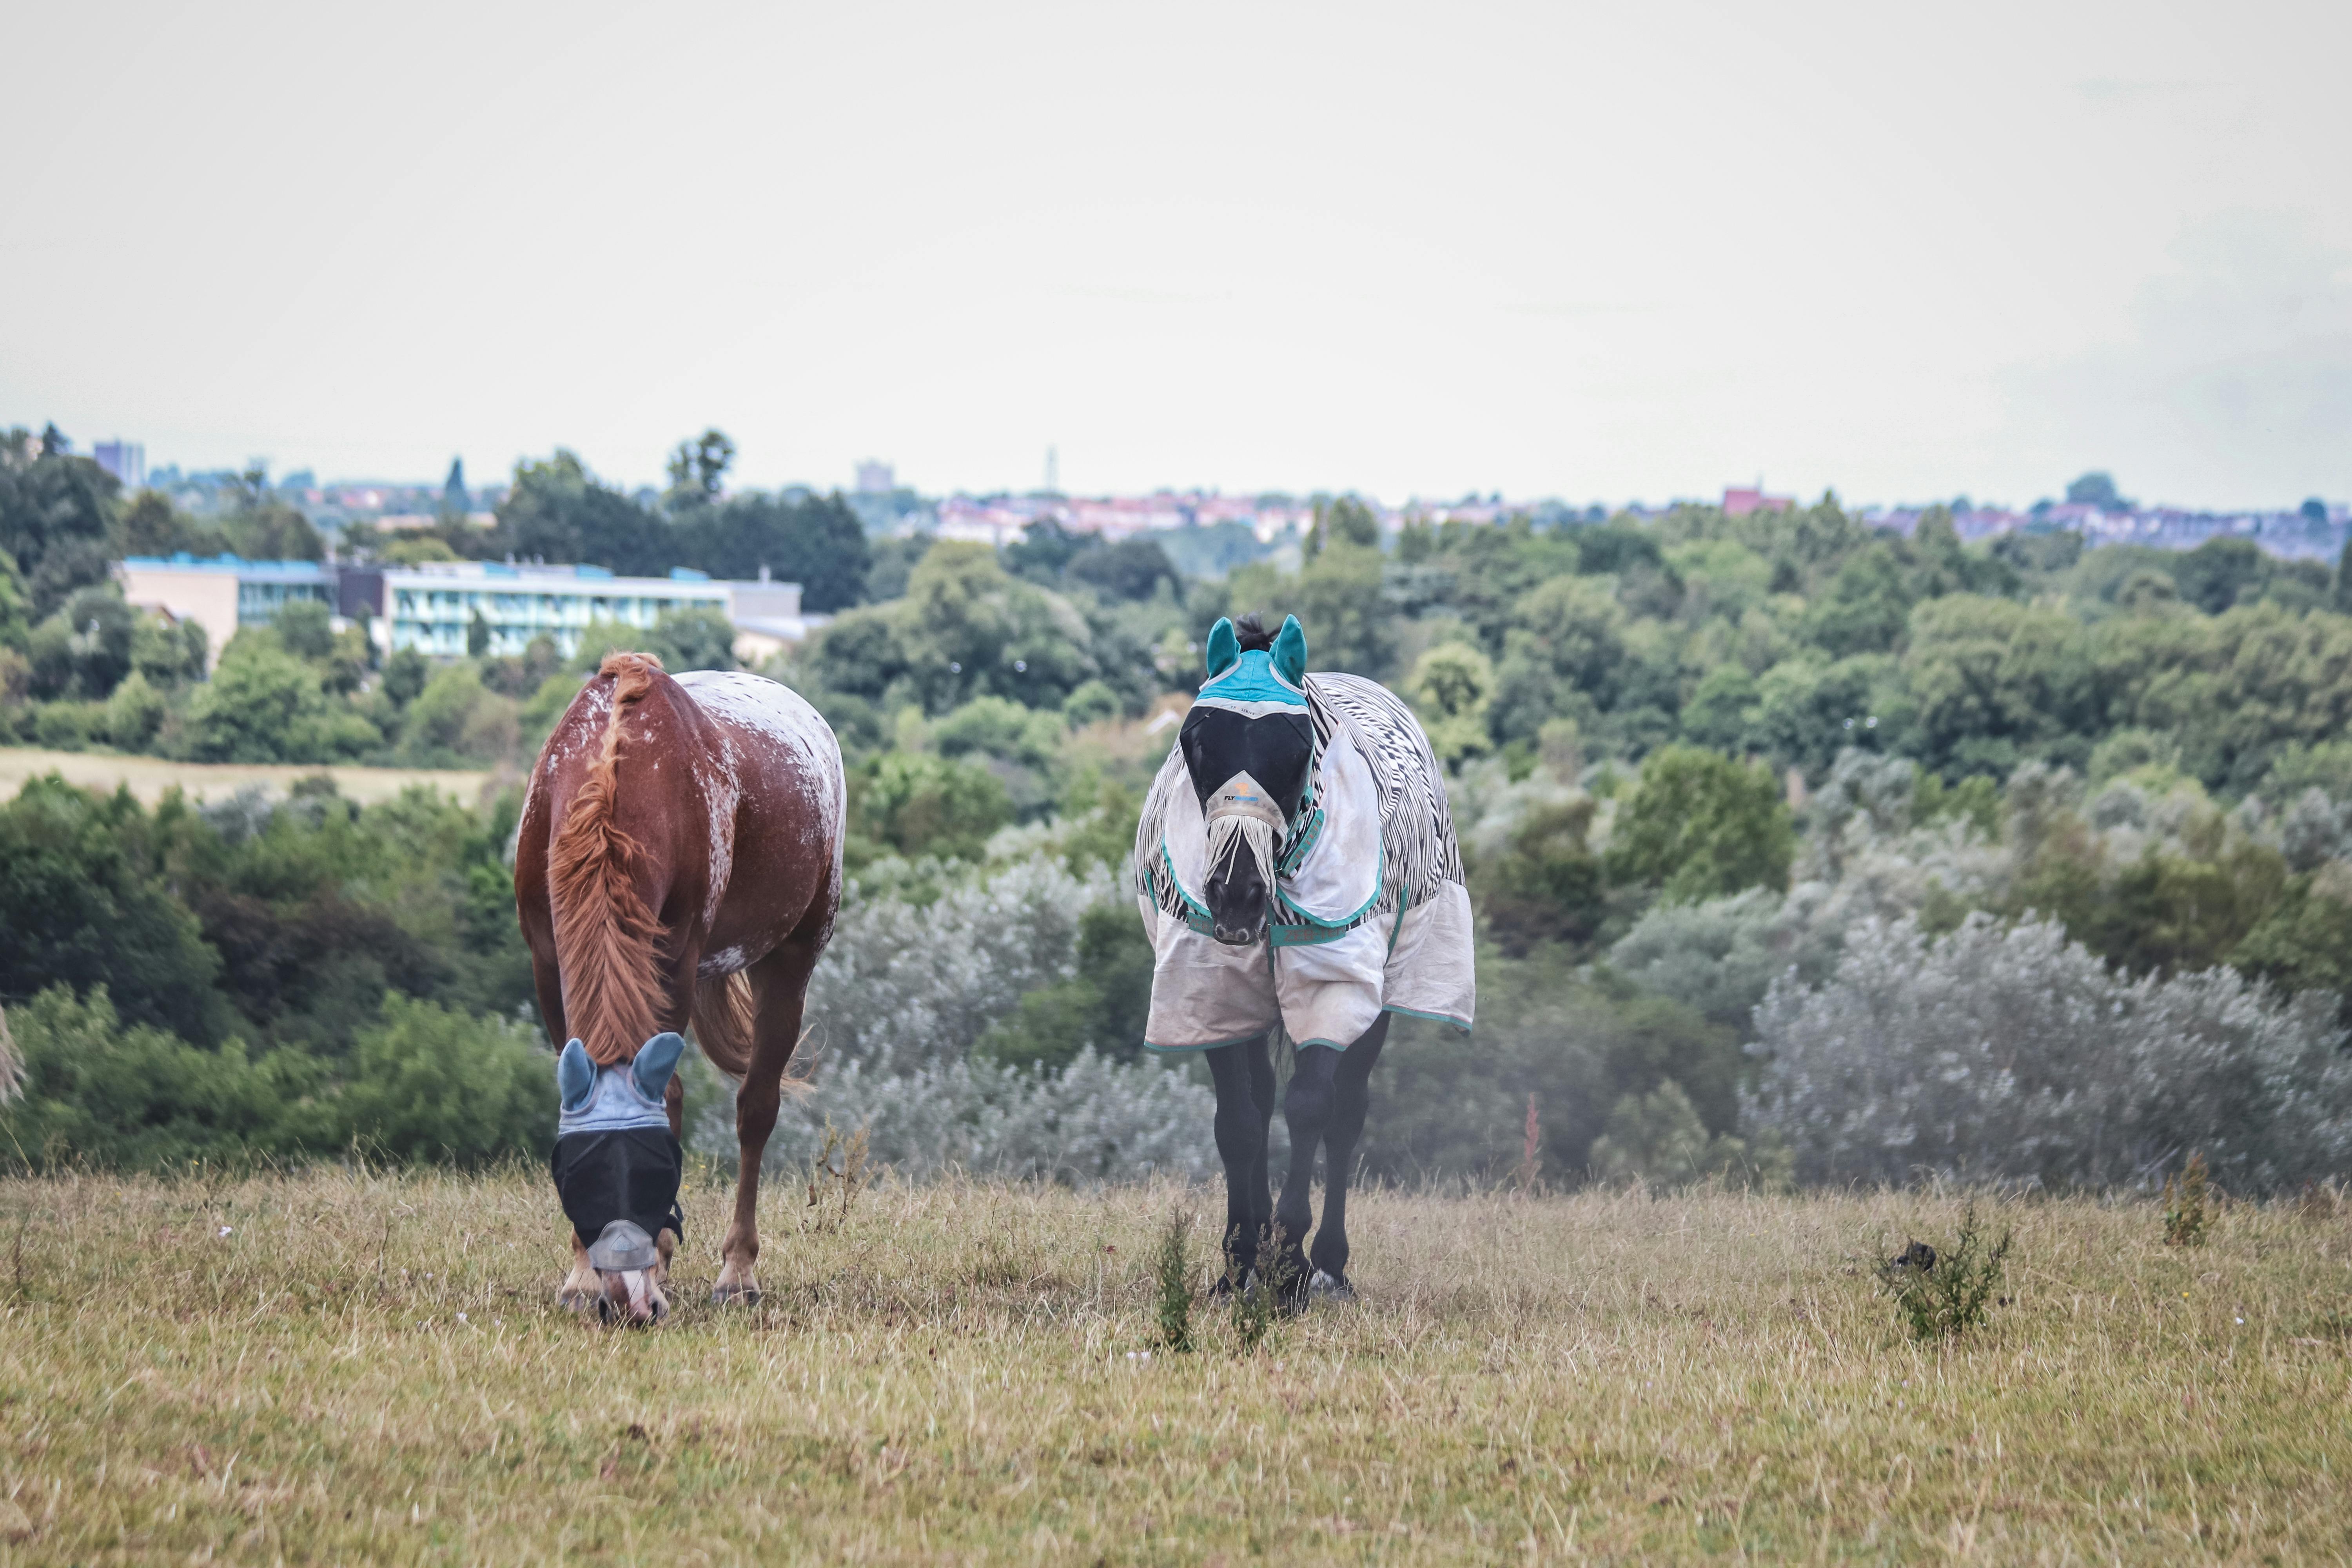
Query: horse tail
723, 1011
607, 941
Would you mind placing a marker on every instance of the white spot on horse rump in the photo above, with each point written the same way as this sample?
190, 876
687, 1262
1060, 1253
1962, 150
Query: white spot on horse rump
776, 712
725, 960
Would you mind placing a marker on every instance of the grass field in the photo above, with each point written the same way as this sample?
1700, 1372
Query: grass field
150, 777
332, 1367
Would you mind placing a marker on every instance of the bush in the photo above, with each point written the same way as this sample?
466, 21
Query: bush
1700, 826
1545, 885
83, 904
1102, 1008
913, 803
68, 726
917, 984
1457, 1106
2014, 1056
263, 705
136, 1098
430, 1083
456, 716
134, 713
1095, 1121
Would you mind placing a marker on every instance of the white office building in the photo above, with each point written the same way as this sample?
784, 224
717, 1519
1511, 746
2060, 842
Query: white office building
432, 607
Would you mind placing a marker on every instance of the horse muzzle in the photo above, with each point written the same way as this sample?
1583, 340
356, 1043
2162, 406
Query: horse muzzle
629, 1269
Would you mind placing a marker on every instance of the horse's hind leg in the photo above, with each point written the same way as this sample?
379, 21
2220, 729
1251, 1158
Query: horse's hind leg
1351, 1099
780, 985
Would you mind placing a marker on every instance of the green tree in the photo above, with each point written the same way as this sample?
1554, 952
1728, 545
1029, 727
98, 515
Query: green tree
1344, 520
304, 627
458, 716
698, 470
1336, 597
1701, 825
263, 705
85, 649
1453, 686
56, 516
557, 510
2304, 940
1725, 711
431, 1084
1547, 885
2097, 488
814, 541
84, 903
104, 1090
700, 638
1131, 569
2220, 572
913, 804
1103, 1006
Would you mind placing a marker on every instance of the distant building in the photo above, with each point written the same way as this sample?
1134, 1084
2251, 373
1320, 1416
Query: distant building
768, 617
431, 607
126, 460
1740, 502
876, 478
223, 593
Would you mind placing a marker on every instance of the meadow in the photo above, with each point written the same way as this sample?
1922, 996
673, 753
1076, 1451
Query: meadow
345, 1366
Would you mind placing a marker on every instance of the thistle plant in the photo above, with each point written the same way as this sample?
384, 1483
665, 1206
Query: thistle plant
1258, 1299
1174, 1272
2185, 1213
1943, 1294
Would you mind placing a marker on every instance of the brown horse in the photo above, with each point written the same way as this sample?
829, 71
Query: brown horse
679, 861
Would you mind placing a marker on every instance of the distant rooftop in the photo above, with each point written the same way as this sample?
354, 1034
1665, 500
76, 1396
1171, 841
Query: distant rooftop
310, 571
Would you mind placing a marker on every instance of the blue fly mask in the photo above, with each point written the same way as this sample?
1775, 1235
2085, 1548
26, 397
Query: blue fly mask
616, 1163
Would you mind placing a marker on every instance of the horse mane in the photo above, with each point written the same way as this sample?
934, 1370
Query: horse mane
607, 941
1250, 633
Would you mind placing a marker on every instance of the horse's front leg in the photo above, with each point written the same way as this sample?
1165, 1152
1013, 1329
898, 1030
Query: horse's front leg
780, 983
1351, 1099
1243, 1077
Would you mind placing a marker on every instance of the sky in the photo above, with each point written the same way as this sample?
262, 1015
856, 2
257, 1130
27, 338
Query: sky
1596, 252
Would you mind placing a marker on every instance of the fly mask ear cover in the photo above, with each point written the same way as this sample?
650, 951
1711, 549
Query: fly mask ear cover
616, 1158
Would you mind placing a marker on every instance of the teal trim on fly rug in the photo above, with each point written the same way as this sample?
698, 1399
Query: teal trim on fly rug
1432, 1018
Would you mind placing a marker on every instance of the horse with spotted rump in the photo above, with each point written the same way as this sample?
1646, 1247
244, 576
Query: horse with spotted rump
678, 863
1296, 868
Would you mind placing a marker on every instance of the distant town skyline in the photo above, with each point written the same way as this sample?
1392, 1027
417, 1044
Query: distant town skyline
1593, 255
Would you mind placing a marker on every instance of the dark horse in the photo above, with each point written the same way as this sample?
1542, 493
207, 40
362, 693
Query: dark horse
1296, 865
678, 862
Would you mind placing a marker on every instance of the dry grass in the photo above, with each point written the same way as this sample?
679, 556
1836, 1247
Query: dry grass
372, 1368
150, 777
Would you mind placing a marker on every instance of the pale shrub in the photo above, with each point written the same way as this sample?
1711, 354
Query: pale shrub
2014, 1056
897, 1002
903, 985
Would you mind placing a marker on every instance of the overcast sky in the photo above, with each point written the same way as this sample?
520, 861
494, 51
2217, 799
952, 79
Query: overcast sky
1633, 251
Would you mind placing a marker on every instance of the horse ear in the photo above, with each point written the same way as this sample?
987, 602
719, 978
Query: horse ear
575, 1075
1290, 651
1225, 648
656, 1062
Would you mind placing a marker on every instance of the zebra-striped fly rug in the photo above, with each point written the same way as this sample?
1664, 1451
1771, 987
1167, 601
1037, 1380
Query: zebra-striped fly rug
1369, 914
